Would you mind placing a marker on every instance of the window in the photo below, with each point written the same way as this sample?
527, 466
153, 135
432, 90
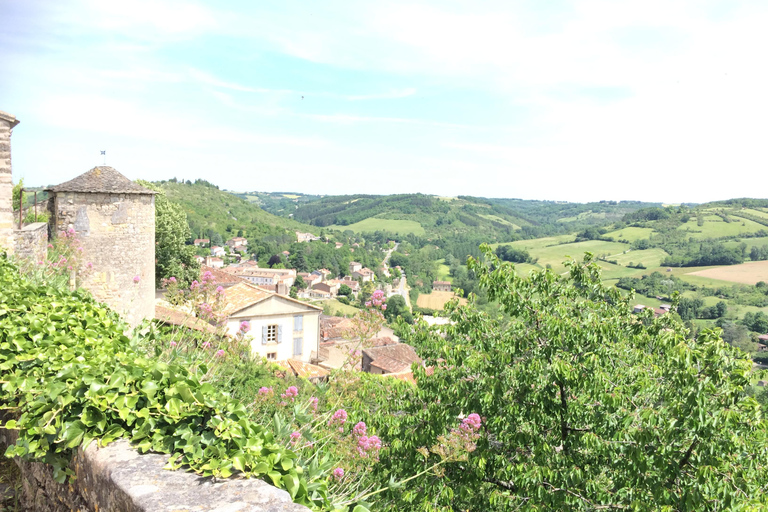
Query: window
271, 334
272, 356
298, 323
298, 346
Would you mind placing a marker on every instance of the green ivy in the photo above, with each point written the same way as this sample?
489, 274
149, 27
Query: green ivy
70, 375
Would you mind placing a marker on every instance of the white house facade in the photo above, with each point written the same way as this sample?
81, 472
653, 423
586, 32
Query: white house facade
281, 328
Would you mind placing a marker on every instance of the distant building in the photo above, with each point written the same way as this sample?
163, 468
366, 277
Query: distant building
202, 241
354, 266
365, 274
213, 261
386, 359
237, 242
218, 251
306, 237
441, 286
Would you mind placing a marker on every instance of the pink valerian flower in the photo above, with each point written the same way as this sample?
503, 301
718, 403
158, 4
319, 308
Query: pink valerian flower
50, 246
136, 279
368, 446
219, 289
292, 392
245, 326
207, 344
463, 438
172, 279
220, 353
338, 473
207, 275
194, 286
338, 418
89, 265
173, 344
360, 429
295, 437
313, 402
265, 391
471, 423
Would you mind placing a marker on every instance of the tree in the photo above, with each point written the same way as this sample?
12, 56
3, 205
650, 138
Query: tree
274, 260
582, 406
396, 306
173, 258
299, 283
345, 290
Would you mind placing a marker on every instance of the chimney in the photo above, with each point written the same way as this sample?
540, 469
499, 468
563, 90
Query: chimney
7, 122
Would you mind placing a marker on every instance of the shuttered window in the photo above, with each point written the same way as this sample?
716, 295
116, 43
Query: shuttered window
298, 323
298, 346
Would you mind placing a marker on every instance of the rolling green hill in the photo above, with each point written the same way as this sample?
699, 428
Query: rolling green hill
212, 210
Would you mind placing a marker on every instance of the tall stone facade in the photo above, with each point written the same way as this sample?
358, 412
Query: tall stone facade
114, 219
7, 122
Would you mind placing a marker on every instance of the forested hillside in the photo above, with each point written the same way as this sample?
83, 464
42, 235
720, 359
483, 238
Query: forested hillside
213, 212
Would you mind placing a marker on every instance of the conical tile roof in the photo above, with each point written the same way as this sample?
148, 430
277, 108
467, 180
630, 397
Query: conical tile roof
102, 179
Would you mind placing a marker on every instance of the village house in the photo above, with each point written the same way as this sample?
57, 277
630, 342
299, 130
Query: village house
386, 359
302, 370
278, 280
310, 279
306, 237
199, 242
365, 274
218, 251
339, 245
441, 286
280, 327
328, 287
762, 343
353, 285
170, 316
200, 259
354, 266
212, 261
237, 243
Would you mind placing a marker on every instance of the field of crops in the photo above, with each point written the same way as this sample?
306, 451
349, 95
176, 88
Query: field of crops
436, 300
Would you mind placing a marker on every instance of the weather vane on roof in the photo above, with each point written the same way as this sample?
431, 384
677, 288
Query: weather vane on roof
105, 157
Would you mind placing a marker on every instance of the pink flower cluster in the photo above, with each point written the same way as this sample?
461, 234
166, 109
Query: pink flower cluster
136, 279
292, 392
220, 353
471, 423
377, 300
338, 418
367, 444
245, 326
313, 403
265, 391
360, 429
338, 473
295, 437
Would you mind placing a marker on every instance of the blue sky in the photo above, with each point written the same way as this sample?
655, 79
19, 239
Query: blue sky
563, 100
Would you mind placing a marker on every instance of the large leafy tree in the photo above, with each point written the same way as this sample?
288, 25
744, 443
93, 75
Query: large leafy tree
173, 258
585, 406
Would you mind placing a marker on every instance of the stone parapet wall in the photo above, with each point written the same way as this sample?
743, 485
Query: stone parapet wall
117, 232
31, 242
116, 478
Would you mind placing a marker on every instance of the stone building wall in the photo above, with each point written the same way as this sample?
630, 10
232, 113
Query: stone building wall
117, 232
7, 122
31, 242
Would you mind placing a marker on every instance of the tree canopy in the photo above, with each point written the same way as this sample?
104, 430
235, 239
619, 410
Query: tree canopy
584, 406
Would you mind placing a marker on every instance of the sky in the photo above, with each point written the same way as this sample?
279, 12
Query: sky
653, 100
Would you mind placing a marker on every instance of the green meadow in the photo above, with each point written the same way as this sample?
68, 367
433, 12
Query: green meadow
716, 227
630, 234
377, 224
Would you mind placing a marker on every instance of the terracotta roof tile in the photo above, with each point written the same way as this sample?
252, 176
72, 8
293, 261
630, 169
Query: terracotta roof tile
102, 179
182, 319
242, 295
304, 370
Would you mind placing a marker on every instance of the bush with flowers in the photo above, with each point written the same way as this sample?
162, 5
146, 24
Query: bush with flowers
65, 265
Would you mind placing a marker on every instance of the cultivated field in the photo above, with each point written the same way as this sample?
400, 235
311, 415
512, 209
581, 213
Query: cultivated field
715, 227
436, 300
747, 273
376, 224
557, 254
648, 257
630, 234
757, 242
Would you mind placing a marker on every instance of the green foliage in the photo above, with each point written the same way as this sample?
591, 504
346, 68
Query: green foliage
71, 376
513, 255
173, 258
583, 407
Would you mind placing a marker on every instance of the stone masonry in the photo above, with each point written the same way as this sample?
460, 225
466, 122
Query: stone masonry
114, 219
7, 122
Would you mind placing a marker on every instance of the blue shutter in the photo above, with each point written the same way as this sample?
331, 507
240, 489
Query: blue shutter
264, 335
279, 333
298, 323
298, 345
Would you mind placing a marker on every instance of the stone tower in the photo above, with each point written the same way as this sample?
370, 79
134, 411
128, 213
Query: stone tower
115, 220
7, 122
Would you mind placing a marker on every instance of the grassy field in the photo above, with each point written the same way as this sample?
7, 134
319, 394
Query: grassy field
557, 254
498, 219
436, 300
337, 306
443, 271
583, 216
630, 234
756, 212
538, 243
377, 224
648, 257
715, 227
757, 241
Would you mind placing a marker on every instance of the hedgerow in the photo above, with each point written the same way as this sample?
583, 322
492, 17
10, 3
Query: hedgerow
71, 375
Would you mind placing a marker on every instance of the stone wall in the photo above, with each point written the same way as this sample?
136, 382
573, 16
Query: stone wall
117, 232
31, 242
116, 478
7, 122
